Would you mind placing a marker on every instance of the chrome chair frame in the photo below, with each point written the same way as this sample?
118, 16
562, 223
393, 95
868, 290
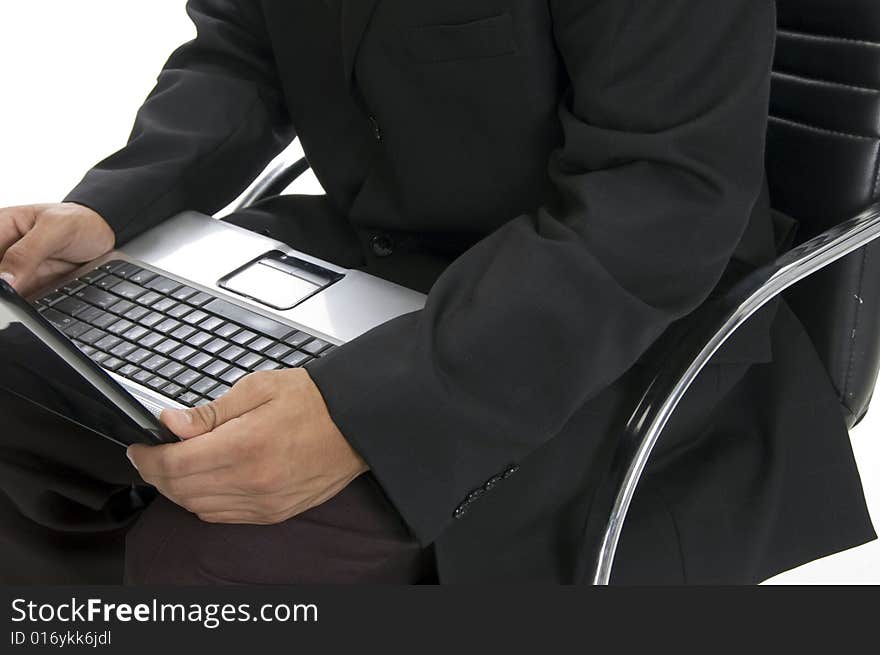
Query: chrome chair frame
709, 328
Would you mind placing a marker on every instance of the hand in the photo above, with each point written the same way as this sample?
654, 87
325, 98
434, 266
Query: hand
42, 242
261, 454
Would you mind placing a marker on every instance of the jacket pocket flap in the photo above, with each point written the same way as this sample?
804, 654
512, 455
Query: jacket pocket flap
488, 37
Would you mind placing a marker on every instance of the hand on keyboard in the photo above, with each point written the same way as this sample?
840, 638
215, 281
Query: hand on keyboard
261, 454
42, 242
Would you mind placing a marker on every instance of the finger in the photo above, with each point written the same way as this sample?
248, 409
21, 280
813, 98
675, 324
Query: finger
250, 393
215, 451
22, 258
9, 229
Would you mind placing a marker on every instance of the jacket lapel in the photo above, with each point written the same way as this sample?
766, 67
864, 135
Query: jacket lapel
356, 15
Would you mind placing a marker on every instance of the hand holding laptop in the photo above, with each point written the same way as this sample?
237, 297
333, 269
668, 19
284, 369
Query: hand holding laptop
263, 453
41, 242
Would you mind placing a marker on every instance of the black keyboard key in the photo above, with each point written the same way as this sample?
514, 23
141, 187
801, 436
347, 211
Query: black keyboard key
53, 298
112, 266
71, 306
167, 326
299, 339
93, 276
123, 349
183, 353
171, 369
244, 337
189, 399
167, 346
204, 386
184, 293
125, 270
249, 361
107, 343
188, 378
199, 339
200, 299
150, 340
72, 287
227, 330
150, 298
154, 363
215, 346
183, 332
278, 351
218, 391
128, 371
121, 307
269, 365
233, 375
59, 320
262, 344
88, 350
128, 290
151, 319
93, 336
216, 369
327, 351
173, 390
232, 353
142, 377
156, 383
179, 311
97, 297
195, 317
99, 357
138, 356
200, 360
108, 282
164, 305
136, 333
112, 363
211, 324
316, 346
120, 326
296, 358
136, 313
248, 319
163, 285
77, 329
142, 277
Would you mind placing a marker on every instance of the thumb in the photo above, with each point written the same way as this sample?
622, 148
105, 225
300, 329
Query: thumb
241, 399
23, 257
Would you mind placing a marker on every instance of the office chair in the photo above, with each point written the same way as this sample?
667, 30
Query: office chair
823, 167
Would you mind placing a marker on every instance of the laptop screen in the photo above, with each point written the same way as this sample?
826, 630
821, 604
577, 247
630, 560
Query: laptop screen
40, 365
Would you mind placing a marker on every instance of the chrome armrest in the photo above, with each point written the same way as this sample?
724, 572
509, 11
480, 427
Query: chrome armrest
274, 180
712, 325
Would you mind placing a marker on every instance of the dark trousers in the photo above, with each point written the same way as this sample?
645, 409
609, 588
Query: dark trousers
66, 517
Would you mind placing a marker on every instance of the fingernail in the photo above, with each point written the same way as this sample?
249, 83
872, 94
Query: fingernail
131, 459
9, 278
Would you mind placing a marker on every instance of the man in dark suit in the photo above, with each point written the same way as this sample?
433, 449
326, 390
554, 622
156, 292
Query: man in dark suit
569, 179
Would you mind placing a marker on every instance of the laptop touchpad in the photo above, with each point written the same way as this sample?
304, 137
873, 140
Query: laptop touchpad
278, 280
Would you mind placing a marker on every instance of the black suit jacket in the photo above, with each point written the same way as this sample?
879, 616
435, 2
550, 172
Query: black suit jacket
569, 179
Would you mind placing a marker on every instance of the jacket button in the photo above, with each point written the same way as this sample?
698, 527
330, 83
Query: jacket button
382, 245
513, 468
377, 131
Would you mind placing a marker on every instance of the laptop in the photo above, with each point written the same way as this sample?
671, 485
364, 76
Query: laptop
175, 318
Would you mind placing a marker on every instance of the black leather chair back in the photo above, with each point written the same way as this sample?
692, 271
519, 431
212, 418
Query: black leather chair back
823, 164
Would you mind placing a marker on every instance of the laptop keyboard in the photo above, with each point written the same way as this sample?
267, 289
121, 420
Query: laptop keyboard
185, 344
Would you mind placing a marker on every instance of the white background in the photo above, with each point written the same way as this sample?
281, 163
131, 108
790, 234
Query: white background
72, 75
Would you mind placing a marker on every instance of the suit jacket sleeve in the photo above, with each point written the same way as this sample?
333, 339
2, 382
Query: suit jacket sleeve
662, 163
215, 116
